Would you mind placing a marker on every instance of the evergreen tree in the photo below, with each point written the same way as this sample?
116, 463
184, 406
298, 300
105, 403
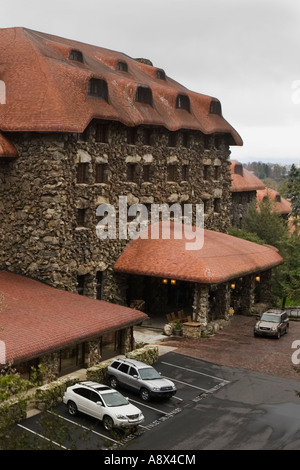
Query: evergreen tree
293, 190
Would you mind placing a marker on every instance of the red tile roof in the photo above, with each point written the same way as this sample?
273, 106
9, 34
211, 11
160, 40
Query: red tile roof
222, 257
283, 206
7, 149
245, 182
36, 319
47, 91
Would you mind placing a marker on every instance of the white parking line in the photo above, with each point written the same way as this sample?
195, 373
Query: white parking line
196, 372
186, 383
147, 406
83, 427
42, 437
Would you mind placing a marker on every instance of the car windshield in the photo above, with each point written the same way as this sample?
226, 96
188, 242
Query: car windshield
149, 374
114, 399
270, 317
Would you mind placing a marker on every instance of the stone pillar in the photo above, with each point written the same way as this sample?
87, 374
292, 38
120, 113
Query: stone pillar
93, 355
201, 304
223, 298
248, 294
265, 293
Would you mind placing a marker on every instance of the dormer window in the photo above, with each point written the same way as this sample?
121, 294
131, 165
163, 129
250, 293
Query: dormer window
215, 107
160, 74
277, 198
98, 88
144, 95
238, 170
183, 102
76, 55
122, 66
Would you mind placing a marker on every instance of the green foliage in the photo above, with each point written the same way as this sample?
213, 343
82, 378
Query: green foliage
240, 233
51, 394
293, 190
147, 354
287, 276
12, 384
265, 222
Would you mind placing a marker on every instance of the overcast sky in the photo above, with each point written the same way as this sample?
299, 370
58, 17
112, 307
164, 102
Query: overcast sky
244, 52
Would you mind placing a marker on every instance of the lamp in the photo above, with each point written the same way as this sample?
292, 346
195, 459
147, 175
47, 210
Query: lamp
165, 281
232, 285
257, 278
173, 281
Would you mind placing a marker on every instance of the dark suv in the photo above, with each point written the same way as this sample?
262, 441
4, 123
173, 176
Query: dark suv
272, 323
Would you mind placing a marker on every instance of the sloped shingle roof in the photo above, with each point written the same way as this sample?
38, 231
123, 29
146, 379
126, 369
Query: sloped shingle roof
282, 205
221, 258
246, 181
47, 91
36, 319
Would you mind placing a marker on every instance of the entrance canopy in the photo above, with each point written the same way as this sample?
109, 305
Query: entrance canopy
222, 257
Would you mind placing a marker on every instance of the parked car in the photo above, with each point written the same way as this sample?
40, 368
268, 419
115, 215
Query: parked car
272, 323
102, 402
139, 377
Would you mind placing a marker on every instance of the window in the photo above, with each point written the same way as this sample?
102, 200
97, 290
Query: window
101, 134
217, 171
132, 172
185, 139
133, 372
207, 141
146, 173
82, 173
98, 88
132, 135
80, 285
99, 280
238, 169
80, 218
183, 102
217, 205
76, 55
277, 198
205, 172
171, 173
94, 397
144, 95
206, 206
123, 66
160, 74
124, 368
185, 172
215, 107
101, 173
148, 136
172, 139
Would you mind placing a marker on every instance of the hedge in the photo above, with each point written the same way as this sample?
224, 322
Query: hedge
51, 394
12, 410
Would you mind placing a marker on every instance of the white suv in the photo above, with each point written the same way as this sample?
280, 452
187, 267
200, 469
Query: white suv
102, 402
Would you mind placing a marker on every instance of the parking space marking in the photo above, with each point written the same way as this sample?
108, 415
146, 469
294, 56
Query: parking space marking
189, 385
147, 406
42, 437
196, 372
83, 427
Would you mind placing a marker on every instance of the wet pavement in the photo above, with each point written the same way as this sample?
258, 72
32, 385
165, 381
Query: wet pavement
236, 346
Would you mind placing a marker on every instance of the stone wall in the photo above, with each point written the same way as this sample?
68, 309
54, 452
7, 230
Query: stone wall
41, 199
239, 206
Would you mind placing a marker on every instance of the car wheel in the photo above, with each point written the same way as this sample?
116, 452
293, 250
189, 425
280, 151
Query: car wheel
113, 382
108, 423
72, 408
144, 394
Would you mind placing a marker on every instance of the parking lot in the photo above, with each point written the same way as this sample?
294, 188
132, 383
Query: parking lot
56, 429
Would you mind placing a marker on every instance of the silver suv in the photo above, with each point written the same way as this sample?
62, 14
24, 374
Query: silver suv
102, 402
139, 377
272, 323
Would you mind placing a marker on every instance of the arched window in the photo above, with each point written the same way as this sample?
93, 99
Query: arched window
122, 66
238, 169
160, 74
215, 107
144, 95
98, 88
76, 55
183, 102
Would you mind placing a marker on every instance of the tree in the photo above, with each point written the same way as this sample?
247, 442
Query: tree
287, 276
293, 190
263, 220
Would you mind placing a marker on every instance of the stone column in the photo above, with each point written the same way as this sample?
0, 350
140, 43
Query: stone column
265, 293
201, 304
223, 298
248, 294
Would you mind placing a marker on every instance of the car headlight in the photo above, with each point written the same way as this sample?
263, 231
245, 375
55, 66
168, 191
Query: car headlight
155, 389
121, 417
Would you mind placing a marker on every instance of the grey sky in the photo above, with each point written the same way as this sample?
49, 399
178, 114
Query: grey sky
244, 52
